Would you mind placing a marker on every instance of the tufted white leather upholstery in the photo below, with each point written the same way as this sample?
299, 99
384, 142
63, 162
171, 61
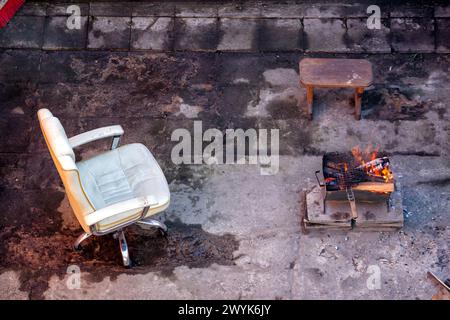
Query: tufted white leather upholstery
114, 177
124, 173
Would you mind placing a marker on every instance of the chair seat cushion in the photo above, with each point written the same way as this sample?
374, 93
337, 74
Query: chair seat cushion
121, 174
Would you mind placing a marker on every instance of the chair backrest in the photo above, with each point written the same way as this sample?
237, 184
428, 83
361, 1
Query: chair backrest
64, 159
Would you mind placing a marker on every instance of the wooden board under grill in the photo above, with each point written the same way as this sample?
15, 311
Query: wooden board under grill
321, 214
364, 192
375, 186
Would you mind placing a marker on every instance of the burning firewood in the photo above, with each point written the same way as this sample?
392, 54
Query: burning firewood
342, 171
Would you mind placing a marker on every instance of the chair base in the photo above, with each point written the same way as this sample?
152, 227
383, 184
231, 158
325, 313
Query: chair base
123, 248
80, 239
146, 223
119, 235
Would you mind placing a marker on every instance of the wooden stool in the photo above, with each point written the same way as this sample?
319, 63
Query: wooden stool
335, 73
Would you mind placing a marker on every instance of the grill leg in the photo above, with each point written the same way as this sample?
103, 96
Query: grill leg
351, 200
80, 239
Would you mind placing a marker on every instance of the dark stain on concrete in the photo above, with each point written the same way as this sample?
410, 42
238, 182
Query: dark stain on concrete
368, 215
441, 112
304, 36
393, 104
186, 245
205, 37
443, 259
284, 108
97, 34
413, 65
268, 38
440, 182
347, 40
416, 153
184, 174
341, 215
304, 141
316, 273
233, 101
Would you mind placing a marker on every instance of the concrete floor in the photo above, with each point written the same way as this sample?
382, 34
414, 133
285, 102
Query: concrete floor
272, 258
234, 233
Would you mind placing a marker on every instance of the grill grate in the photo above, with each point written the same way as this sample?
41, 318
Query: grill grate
342, 171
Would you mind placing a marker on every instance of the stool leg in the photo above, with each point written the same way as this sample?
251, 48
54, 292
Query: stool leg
309, 100
358, 97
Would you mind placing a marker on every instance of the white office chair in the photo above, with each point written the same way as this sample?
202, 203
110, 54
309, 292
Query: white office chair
111, 190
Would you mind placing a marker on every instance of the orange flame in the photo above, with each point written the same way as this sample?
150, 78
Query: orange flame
371, 166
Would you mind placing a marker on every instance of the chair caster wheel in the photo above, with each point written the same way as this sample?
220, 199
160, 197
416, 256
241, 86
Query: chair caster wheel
163, 233
151, 223
130, 265
77, 244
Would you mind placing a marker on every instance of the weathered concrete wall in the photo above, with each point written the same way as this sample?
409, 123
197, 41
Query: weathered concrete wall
250, 26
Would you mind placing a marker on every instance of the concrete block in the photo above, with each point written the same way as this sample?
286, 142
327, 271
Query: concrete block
443, 35
197, 34
58, 35
109, 33
359, 38
23, 32
238, 34
280, 34
442, 11
325, 35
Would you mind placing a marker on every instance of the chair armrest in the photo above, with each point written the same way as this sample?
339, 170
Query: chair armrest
67, 163
120, 207
96, 134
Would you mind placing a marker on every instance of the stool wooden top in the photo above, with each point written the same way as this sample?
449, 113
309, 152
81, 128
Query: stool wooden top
352, 73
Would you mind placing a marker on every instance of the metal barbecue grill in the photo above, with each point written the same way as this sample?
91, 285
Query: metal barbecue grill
358, 190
